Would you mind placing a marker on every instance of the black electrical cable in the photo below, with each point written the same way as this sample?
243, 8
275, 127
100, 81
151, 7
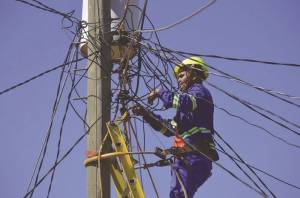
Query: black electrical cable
63, 121
240, 59
263, 183
56, 102
248, 165
267, 91
275, 94
38, 76
44, 7
243, 102
144, 159
61, 159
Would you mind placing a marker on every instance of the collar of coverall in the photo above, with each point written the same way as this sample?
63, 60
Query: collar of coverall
191, 86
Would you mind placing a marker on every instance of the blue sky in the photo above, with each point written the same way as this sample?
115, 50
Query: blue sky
33, 41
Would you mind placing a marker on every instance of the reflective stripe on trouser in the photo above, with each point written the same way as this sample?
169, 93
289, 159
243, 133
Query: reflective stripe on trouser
193, 171
193, 131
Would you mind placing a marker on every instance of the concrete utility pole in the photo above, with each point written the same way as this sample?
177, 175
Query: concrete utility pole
99, 93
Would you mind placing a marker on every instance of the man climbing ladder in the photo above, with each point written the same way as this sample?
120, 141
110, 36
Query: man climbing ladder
192, 126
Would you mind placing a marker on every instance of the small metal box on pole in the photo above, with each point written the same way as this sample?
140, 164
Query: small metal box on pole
122, 26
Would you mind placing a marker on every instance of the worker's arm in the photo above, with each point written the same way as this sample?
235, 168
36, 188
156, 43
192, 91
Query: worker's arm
166, 127
182, 102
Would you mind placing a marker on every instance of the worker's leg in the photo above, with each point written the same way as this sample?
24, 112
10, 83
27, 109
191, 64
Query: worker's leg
194, 171
199, 173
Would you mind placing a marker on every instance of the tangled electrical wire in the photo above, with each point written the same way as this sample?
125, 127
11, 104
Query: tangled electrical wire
132, 79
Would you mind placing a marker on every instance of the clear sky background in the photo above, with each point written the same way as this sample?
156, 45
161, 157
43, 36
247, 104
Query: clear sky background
33, 41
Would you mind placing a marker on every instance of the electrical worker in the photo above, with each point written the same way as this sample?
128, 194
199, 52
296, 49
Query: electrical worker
192, 126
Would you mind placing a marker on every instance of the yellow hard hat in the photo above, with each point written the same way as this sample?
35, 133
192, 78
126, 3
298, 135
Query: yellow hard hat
192, 62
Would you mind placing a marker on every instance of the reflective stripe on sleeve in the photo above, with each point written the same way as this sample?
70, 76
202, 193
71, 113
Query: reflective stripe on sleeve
175, 101
193, 131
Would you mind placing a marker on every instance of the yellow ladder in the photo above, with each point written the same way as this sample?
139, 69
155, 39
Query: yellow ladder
131, 180
122, 170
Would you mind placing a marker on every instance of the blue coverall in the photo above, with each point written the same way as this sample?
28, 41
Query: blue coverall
194, 124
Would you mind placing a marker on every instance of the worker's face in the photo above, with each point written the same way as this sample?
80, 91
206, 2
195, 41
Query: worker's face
184, 80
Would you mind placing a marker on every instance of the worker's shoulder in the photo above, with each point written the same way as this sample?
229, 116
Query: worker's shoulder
197, 88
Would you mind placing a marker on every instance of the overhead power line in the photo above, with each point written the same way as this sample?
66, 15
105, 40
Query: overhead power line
41, 6
241, 59
38, 76
57, 100
240, 160
202, 8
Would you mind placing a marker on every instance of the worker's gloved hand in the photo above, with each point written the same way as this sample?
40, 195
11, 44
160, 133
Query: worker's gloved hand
139, 110
148, 116
152, 96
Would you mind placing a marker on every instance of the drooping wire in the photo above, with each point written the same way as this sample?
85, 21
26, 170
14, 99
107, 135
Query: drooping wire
202, 8
270, 132
38, 76
63, 120
239, 59
239, 157
41, 6
54, 110
247, 164
68, 152
248, 105
273, 93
